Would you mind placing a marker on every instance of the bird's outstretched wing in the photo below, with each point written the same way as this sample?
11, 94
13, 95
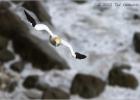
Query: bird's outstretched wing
37, 26
74, 54
30, 18
40, 27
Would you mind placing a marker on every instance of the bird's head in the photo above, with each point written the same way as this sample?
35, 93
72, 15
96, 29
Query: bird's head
55, 40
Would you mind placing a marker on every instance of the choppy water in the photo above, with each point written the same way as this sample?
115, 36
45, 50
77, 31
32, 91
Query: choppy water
103, 33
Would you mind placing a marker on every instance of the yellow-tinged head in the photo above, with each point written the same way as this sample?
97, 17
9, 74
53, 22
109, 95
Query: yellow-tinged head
56, 40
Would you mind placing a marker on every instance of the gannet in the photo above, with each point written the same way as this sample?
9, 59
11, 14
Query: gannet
54, 39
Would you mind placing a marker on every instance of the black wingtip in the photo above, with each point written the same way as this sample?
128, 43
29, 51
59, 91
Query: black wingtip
80, 56
30, 19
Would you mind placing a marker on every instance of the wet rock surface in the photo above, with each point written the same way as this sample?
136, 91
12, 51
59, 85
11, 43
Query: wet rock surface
3, 42
87, 86
30, 82
55, 93
119, 78
18, 66
40, 56
6, 55
33, 94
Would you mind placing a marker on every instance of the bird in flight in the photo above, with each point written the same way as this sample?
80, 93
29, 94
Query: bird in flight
54, 39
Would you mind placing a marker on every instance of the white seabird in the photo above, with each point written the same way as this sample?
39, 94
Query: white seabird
54, 39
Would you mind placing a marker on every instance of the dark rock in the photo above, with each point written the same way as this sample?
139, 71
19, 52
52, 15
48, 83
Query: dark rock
87, 86
12, 85
119, 78
5, 4
28, 46
39, 53
33, 94
136, 17
136, 41
18, 66
3, 42
31, 82
54, 93
80, 1
6, 55
42, 87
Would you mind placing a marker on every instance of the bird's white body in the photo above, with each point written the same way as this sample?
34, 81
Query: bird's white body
54, 37
41, 27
